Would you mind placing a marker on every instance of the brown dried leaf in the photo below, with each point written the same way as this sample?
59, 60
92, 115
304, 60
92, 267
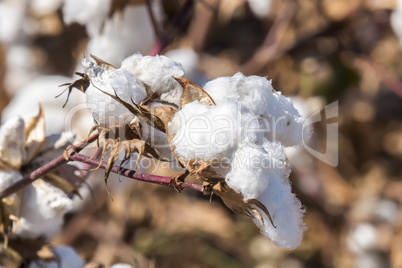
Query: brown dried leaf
34, 136
237, 204
192, 92
103, 63
145, 113
81, 84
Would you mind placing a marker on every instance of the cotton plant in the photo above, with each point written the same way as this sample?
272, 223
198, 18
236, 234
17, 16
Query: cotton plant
231, 134
36, 212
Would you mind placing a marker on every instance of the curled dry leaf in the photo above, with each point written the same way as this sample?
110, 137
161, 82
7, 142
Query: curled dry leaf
81, 84
34, 136
193, 92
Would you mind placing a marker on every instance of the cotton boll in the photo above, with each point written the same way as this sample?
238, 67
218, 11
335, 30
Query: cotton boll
260, 8
12, 140
282, 121
396, 21
121, 265
42, 90
11, 19
105, 110
155, 72
91, 13
362, 238
125, 33
22, 67
42, 210
209, 132
67, 256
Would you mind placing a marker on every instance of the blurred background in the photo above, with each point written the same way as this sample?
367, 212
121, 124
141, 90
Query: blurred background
315, 51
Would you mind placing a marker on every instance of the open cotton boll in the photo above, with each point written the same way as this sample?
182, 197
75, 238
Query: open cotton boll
105, 110
260, 8
282, 121
42, 210
206, 133
91, 13
156, 72
396, 21
125, 33
121, 265
12, 140
67, 257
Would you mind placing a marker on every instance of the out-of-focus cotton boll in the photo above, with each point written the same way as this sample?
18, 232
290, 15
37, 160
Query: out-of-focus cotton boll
121, 265
210, 132
21, 67
91, 13
12, 14
362, 238
12, 141
44, 7
396, 21
42, 210
105, 110
124, 34
285, 209
155, 72
260, 8
67, 257
7, 178
42, 90
282, 121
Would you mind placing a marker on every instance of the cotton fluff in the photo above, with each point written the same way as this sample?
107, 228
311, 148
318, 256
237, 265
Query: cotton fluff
285, 209
396, 21
91, 13
127, 86
155, 72
282, 121
210, 132
260, 8
42, 210
12, 140
125, 33
67, 256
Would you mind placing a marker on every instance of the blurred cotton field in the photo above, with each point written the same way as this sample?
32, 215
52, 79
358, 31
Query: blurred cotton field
334, 200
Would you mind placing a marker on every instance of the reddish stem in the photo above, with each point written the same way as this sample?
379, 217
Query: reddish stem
132, 174
41, 171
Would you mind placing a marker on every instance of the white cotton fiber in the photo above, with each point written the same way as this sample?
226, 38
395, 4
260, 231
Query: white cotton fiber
91, 13
396, 21
12, 140
42, 210
67, 256
125, 33
156, 72
105, 110
208, 132
282, 121
262, 173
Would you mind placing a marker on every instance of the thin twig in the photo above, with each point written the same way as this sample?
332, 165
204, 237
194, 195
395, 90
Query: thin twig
163, 41
41, 171
270, 48
132, 174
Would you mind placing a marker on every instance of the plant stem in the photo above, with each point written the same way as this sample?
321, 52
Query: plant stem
39, 172
132, 174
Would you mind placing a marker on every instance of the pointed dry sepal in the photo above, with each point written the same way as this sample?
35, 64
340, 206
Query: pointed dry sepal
193, 92
81, 84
